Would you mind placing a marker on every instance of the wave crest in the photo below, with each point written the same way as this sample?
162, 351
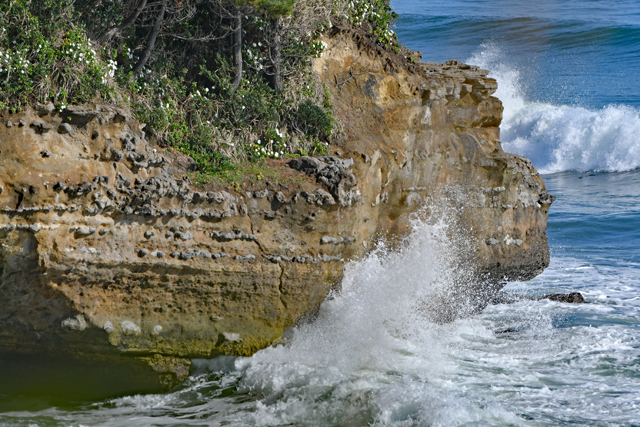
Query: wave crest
560, 137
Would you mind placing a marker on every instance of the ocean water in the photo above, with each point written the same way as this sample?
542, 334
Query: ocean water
567, 72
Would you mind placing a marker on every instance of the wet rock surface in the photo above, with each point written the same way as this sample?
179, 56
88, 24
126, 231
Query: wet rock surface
109, 254
570, 298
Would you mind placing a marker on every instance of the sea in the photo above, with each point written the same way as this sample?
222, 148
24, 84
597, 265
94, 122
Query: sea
569, 77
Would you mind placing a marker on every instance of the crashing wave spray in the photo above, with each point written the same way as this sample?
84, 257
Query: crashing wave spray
558, 137
371, 343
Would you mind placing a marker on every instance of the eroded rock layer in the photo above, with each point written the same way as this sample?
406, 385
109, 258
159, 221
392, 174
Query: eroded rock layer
109, 254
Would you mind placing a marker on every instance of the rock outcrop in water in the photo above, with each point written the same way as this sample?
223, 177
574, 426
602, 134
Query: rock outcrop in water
108, 254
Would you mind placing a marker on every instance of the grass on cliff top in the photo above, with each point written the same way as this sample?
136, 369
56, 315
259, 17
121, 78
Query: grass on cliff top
252, 175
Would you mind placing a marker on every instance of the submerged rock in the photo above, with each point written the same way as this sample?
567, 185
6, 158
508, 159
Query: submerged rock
505, 298
572, 298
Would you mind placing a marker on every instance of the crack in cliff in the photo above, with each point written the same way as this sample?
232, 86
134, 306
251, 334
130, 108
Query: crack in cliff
257, 240
281, 286
20, 199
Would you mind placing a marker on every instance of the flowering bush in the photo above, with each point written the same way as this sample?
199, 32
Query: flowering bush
44, 60
54, 51
375, 16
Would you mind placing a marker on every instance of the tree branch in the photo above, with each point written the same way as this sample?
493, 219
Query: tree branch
151, 42
237, 50
117, 29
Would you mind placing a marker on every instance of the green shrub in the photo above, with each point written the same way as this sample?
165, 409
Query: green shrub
312, 120
375, 16
45, 58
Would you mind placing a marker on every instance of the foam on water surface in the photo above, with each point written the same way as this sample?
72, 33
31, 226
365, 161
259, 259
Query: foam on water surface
561, 137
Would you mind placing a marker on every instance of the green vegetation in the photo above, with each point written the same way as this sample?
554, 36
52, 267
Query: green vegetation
249, 174
224, 81
375, 17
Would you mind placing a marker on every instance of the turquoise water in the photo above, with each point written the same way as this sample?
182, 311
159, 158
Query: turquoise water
567, 72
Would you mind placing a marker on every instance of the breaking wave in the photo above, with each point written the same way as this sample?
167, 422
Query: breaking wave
561, 137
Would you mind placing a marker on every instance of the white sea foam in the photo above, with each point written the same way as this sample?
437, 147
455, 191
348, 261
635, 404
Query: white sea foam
372, 353
560, 137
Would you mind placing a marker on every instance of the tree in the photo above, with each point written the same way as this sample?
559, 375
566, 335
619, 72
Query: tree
162, 16
151, 41
235, 11
274, 11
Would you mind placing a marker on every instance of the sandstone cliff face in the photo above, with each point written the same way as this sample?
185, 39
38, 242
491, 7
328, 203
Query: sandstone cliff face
107, 254
429, 130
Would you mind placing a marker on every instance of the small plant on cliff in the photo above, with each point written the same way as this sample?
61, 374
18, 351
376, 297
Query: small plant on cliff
375, 16
312, 120
43, 58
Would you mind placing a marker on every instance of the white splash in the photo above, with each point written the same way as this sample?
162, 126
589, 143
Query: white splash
372, 356
559, 137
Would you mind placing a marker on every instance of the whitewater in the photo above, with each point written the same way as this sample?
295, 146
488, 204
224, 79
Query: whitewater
374, 356
560, 138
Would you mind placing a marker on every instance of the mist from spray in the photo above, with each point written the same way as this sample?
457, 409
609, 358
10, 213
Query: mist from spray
372, 353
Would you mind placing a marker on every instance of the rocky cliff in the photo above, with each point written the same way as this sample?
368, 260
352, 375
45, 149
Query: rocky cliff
109, 255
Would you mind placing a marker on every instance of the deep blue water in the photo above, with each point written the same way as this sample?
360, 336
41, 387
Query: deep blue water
568, 77
573, 52
567, 72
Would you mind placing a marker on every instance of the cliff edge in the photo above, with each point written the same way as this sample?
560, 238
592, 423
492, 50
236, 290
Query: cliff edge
109, 255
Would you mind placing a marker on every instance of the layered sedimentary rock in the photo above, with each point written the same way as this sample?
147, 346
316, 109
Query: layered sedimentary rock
109, 254
428, 130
